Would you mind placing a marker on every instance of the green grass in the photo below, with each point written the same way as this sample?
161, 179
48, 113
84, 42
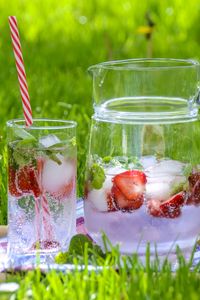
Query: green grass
129, 279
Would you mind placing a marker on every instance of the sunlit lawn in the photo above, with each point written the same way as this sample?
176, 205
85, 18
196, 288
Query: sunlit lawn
60, 41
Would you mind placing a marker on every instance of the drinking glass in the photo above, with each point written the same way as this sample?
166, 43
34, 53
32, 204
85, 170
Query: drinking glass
41, 189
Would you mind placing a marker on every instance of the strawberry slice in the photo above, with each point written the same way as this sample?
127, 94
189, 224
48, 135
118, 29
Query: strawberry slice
153, 208
194, 189
27, 181
35, 189
12, 187
167, 209
23, 180
45, 244
131, 183
173, 203
64, 191
123, 203
128, 189
110, 203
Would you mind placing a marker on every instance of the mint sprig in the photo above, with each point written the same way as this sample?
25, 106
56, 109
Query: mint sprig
22, 134
27, 203
77, 247
25, 150
96, 176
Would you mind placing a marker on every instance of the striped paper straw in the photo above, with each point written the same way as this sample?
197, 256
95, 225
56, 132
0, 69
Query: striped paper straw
47, 219
20, 71
46, 216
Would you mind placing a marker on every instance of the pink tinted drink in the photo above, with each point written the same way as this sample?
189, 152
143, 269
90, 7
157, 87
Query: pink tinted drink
155, 201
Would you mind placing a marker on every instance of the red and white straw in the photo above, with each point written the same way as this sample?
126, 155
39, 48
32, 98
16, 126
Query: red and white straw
47, 218
20, 70
43, 203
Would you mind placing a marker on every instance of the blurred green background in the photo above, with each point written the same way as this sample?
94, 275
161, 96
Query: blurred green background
61, 39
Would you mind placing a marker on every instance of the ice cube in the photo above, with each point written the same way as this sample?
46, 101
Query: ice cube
99, 197
158, 191
115, 170
148, 161
162, 187
166, 178
49, 140
55, 176
166, 166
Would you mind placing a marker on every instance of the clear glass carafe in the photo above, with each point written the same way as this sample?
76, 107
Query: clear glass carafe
143, 167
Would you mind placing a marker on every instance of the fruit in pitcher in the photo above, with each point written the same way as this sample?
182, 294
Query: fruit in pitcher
194, 189
102, 199
164, 179
170, 208
128, 189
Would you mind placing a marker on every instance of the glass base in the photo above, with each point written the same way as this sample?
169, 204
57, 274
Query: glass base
25, 261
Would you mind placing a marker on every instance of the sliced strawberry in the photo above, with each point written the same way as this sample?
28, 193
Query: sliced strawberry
45, 244
193, 178
65, 191
122, 202
153, 208
12, 187
110, 203
194, 189
34, 183
167, 209
27, 181
131, 183
173, 203
23, 180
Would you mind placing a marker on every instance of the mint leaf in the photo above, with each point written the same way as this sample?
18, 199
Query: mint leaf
22, 133
58, 146
27, 203
26, 143
135, 162
97, 176
187, 170
107, 159
77, 244
178, 187
77, 249
53, 157
24, 152
22, 158
61, 258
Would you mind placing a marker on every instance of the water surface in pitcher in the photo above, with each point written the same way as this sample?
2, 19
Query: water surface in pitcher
147, 109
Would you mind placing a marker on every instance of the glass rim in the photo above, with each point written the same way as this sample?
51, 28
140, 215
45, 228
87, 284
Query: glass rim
64, 124
124, 65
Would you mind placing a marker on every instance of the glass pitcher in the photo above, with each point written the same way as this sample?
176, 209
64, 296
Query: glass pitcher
143, 167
